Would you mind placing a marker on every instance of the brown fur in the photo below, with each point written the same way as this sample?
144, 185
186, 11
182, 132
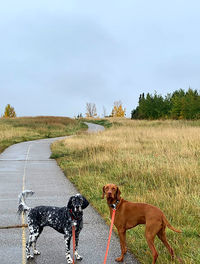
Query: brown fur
129, 215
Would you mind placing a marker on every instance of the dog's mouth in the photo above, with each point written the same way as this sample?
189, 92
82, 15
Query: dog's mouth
77, 215
110, 197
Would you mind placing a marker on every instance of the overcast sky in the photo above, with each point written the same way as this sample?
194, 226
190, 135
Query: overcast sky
55, 56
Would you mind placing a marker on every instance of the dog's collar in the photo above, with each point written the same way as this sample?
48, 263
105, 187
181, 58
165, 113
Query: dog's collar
114, 206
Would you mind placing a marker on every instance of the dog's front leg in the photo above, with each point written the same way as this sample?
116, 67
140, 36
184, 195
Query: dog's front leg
122, 236
67, 238
35, 251
78, 257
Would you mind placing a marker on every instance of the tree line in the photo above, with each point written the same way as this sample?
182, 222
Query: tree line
178, 105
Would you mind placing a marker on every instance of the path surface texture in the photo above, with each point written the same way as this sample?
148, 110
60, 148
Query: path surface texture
28, 166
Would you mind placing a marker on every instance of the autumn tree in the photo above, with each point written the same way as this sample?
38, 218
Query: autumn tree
9, 111
91, 110
118, 110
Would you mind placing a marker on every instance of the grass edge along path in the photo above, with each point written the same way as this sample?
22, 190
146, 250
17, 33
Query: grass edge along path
20, 129
151, 161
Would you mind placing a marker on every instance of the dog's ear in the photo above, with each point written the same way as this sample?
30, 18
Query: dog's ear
103, 192
69, 205
118, 194
85, 203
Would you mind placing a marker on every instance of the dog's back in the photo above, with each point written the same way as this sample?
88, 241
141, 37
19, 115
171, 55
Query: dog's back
55, 217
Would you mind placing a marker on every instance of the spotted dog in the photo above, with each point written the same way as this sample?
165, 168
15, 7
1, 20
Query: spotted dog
59, 218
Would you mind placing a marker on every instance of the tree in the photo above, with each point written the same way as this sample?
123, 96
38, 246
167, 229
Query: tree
79, 116
9, 111
151, 107
190, 104
118, 110
177, 103
104, 111
91, 110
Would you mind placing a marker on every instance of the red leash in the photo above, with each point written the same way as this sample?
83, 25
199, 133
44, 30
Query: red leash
73, 235
110, 233
74, 241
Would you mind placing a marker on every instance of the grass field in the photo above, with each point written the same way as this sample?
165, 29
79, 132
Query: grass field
15, 130
157, 162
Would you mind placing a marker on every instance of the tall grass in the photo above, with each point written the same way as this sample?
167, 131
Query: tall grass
157, 162
14, 130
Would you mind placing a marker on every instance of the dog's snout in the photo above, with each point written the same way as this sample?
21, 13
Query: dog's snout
109, 194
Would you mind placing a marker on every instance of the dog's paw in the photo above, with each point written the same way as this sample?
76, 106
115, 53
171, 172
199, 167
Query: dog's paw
69, 259
29, 257
120, 259
78, 257
36, 252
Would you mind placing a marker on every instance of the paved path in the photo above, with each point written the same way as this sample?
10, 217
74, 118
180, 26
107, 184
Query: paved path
29, 161
93, 128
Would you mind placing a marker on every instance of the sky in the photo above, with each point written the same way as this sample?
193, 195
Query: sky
56, 56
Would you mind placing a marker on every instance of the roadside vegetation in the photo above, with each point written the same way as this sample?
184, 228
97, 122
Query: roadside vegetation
157, 162
15, 130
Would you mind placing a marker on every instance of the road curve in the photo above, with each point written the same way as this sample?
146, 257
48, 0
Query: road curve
27, 165
92, 128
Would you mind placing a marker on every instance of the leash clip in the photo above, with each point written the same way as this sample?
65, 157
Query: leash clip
114, 206
74, 223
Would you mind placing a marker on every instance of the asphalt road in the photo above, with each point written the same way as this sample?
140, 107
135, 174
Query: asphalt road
27, 165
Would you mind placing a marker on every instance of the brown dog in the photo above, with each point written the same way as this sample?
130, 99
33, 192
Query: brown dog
129, 215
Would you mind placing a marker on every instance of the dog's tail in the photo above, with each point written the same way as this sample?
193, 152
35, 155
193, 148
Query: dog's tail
170, 226
22, 207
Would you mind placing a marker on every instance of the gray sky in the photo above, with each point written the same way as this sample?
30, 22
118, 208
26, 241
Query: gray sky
57, 55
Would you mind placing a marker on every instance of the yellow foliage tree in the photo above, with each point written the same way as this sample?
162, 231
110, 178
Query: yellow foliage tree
9, 111
118, 110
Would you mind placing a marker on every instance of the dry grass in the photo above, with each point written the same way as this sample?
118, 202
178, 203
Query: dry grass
14, 130
157, 162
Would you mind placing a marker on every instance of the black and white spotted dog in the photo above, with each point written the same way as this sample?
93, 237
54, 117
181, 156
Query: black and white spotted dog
59, 218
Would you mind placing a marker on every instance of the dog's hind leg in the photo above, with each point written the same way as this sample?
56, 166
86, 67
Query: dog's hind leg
28, 245
162, 236
32, 239
152, 229
34, 234
35, 251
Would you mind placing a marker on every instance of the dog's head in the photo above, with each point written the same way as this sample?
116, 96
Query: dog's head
112, 193
76, 204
